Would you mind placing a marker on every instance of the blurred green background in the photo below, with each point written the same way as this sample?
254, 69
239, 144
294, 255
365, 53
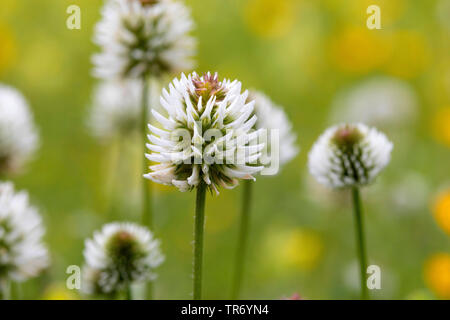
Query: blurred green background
302, 53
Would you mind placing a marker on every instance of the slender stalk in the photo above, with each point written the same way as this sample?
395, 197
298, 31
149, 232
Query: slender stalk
5, 289
147, 212
361, 247
128, 292
198, 239
147, 215
242, 240
16, 291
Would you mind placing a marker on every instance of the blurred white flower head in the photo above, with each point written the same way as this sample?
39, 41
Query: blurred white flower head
272, 119
18, 135
140, 37
349, 155
116, 108
380, 101
206, 136
22, 253
118, 255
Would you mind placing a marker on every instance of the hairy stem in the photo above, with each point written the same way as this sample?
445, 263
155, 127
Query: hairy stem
198, 239
360, 242
147, 212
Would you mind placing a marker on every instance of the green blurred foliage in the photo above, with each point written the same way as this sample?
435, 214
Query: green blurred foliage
296, 52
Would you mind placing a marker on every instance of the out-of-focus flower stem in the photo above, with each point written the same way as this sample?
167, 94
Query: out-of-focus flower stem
242, 239
128, 292
16, 291
198, 239
147, 212
5, 288
360, 242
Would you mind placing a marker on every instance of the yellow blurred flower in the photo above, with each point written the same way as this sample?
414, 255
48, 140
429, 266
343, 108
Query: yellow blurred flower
441, 210
410, 54
437, 274
58, 291
270, 18
359, 50
296, 249
355, 11
7, 48
440, 124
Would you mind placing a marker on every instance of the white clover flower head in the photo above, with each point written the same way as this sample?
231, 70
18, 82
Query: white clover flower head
139, 37
18, 135
272, 117
22, 253
207, 135
349, 155
116, 108
379, 101
118, 255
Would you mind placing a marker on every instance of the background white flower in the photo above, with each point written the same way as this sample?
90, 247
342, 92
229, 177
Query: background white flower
22, 253
196, 106
407, 194
139, 37
379, 101
116, 108
271, 116
18, 135
349, 155
118, 255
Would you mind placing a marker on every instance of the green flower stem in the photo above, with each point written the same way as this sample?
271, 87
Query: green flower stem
147, 212
198, 239
361, 251
128, 292
16, 291
242, 240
